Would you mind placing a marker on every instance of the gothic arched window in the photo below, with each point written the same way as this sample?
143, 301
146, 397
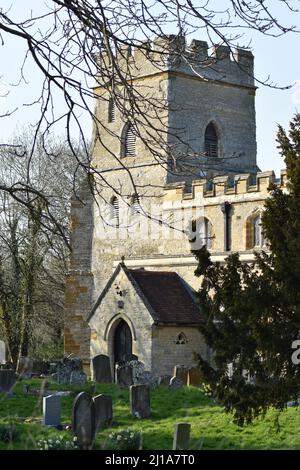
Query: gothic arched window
115, 212
111, 110
254, 232
202, 232
181, 339
128, 141
211, 141
258, 236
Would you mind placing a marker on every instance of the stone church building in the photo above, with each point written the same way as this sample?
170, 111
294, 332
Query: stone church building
130, 287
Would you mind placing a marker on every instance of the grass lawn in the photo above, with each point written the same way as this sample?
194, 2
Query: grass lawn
211, 428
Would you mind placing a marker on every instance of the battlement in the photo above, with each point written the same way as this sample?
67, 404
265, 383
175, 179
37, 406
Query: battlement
172, 53
224, 185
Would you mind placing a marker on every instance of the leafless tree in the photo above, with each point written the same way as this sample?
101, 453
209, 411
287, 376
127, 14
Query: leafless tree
34, 242
75, 44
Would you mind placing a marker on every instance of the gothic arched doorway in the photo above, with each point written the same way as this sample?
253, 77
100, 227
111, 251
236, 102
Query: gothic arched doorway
122, 342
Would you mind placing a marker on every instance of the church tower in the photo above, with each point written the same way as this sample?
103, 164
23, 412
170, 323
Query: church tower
191, 116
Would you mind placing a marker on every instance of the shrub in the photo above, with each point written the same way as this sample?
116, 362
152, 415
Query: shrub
125, 440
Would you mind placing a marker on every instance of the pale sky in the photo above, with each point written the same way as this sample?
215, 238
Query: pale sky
274, 57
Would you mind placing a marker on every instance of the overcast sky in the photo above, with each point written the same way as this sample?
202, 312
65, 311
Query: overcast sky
277, 58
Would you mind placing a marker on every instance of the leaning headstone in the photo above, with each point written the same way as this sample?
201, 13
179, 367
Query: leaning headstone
77, 377
181, 372
8, 379
2, 352
24, 368
51, 410
175, 383
164, 380
181, 439
83, 420
124, 376
195, 378
140, 401
101, 369
103, 410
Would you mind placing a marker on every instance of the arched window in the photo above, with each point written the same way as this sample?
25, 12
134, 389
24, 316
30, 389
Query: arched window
115, 212
111, 110
128, 141
202, 233
211, 141
254, 232
181, 339
258, 236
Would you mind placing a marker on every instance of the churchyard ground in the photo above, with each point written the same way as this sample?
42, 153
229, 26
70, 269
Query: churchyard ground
211, 428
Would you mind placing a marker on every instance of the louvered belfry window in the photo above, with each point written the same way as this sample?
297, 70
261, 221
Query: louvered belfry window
211, 141
111, 110
115, 211
135, 205
129, 140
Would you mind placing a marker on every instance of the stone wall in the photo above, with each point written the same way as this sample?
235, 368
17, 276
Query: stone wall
166, 353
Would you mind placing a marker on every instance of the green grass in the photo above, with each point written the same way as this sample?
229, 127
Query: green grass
211, 428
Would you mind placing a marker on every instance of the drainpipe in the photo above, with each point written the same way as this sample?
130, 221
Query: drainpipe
226, 208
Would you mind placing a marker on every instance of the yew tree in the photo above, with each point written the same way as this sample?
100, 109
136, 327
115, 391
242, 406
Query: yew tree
251, 311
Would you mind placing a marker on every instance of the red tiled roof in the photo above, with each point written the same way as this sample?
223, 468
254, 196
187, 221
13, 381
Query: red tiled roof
167, 295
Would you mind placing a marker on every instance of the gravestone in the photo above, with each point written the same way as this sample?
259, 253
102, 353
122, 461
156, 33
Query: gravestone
140, 401
195, 378
83, 420
51, 410
65, 367
164, 380
24, 368
146, 378
175, 383
101, 369
182, 436
124, 375
181, 372
2, 352
103, 410
77, 377
8, 379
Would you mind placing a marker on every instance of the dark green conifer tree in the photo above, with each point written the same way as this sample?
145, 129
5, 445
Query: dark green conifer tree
251, 312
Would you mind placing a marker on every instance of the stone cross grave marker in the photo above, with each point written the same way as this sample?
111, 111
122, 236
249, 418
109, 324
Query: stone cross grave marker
182, 436
140, 401
51, 410
103, 410
83, 420
8, 379
101, 369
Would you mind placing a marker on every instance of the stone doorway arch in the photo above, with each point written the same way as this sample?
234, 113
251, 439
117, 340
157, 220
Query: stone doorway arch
122, 342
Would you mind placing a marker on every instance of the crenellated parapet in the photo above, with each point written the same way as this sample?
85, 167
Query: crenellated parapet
240, 184
172, 53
